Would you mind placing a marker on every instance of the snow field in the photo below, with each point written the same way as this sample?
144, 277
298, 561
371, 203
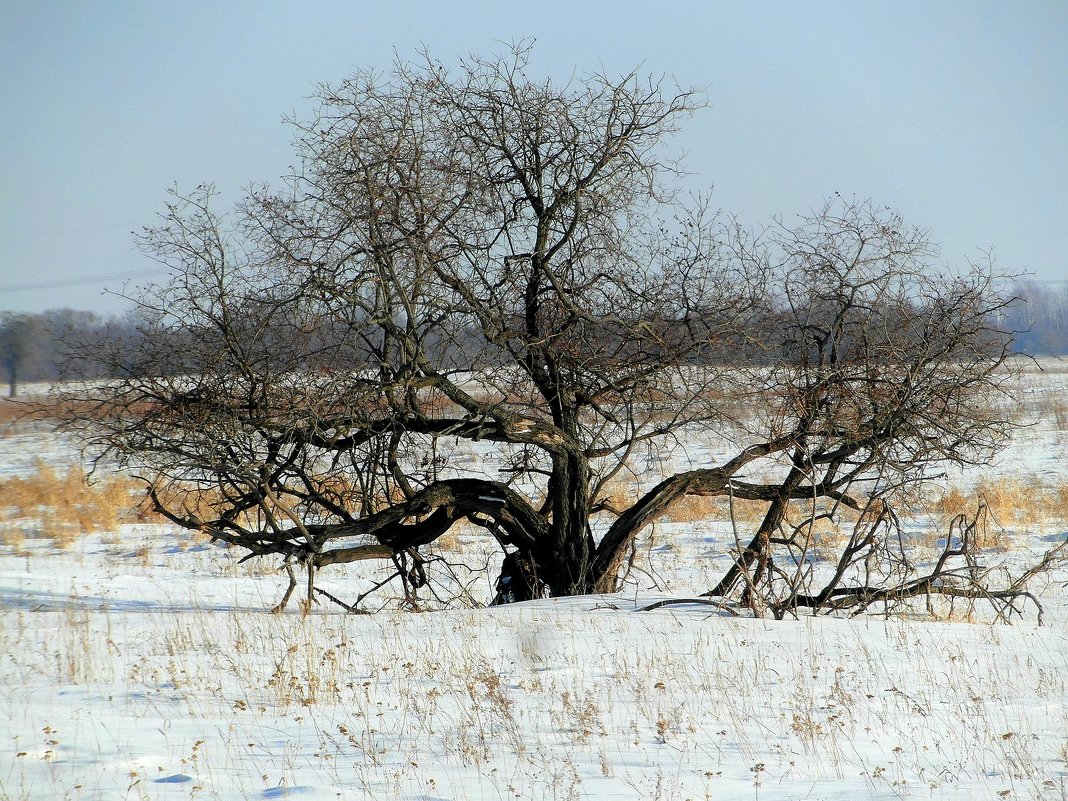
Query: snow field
126, 677
138, 664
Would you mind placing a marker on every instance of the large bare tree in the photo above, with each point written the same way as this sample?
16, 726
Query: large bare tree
473, 258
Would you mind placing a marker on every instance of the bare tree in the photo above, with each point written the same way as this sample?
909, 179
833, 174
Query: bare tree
28, 343
12, 344
883, 370
475, 258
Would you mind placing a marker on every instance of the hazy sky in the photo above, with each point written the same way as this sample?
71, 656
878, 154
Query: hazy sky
954, 113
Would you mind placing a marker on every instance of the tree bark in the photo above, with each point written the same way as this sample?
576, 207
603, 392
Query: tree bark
564, 559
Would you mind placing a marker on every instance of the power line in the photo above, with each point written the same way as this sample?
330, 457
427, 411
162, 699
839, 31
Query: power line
85, 279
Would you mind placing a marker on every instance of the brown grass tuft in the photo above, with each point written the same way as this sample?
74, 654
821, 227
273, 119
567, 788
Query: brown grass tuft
1013, 502
450, 541
59, 504
696, 508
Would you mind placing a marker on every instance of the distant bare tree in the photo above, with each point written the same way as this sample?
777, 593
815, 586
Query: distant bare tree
478, 259
23, 338
35, 347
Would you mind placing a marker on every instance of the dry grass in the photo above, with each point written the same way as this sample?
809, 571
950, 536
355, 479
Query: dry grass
453, 540
324, 700
59, 504
828, 537
1059, 411
696, 508
24, 413
9, 412
1043, 404
205, 504
1013, 502
1037, 398
620, 495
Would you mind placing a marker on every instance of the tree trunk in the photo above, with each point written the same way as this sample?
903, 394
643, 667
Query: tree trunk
564, 565
12, 378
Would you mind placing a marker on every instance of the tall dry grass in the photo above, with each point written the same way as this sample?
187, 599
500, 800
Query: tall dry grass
58, 503
696, 508
622, 494
1013, 502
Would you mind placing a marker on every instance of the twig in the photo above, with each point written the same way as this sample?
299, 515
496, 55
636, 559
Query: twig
342, 604
699, 601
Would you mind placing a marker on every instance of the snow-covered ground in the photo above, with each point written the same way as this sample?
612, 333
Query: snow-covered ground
138, 664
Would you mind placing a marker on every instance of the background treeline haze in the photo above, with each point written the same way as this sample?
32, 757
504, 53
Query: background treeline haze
33, 347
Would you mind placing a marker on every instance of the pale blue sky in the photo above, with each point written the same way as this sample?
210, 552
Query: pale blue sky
954, 113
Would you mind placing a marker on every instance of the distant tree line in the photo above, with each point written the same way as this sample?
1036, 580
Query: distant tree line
67, 344
37, 347
1039, 317
32, 349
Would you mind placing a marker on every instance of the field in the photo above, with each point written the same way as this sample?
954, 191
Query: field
139, 663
